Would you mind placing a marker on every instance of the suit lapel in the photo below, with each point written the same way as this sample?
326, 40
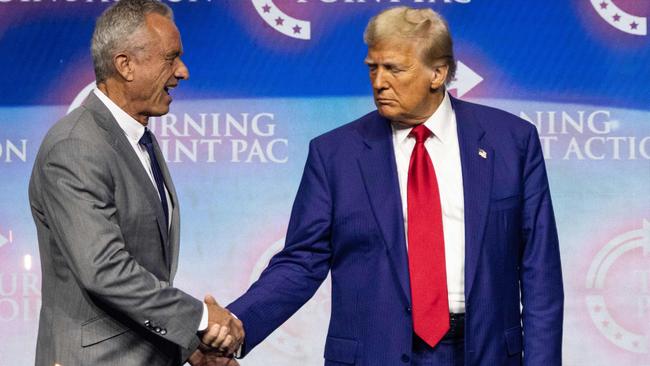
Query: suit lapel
476, 158
379, 171
119, 142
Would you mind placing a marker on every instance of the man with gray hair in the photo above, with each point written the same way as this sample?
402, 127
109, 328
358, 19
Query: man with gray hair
107, 214
432, 214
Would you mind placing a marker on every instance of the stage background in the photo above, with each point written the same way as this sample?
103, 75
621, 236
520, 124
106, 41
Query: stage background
267, 76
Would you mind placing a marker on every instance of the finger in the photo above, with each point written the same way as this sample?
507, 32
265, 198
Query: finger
211, 334
228, 344
223, 333
210, 300
240, 333
237, 331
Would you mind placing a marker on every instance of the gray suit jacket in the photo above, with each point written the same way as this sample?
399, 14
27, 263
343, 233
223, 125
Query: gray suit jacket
107, 257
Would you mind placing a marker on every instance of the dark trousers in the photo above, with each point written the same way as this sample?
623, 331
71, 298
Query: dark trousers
448, 352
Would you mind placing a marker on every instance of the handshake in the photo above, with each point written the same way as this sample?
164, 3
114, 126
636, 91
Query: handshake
222, 338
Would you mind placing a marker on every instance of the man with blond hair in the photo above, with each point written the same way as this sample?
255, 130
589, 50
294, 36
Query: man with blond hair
434, 217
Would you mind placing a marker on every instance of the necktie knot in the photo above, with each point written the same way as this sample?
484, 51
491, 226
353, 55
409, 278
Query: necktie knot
146, 138
421, 133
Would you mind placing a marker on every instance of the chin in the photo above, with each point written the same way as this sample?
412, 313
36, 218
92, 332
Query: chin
159, 111
387, 112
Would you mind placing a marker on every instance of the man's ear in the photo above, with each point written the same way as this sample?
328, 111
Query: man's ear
124, 66
438, 76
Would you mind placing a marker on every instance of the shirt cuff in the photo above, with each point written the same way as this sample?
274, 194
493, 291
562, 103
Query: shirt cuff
203, 325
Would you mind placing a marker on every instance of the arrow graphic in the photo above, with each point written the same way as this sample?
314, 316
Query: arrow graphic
466, 79
3, 240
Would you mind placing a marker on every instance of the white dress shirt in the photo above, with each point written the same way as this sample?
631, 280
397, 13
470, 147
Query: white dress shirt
444, 152
133, 130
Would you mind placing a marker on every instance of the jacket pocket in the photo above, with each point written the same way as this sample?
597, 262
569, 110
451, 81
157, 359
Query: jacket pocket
100, 329
341, 350
513, 340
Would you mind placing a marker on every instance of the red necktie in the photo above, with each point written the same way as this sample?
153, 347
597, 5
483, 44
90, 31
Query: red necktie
426, 245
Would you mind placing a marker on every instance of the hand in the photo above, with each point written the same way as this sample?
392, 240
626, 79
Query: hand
225, 333
205, 357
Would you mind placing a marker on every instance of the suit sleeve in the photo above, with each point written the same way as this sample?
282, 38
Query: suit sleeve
541, 274
294, 274
77, 191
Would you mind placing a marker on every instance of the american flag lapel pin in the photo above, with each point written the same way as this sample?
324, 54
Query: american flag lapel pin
482, 153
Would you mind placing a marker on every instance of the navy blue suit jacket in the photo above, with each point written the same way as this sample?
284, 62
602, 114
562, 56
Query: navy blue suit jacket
347, 218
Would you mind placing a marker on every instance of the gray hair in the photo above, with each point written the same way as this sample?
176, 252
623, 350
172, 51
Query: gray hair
429, 27
116, 31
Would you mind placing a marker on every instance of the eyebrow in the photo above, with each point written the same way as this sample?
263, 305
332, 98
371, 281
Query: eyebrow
389, 63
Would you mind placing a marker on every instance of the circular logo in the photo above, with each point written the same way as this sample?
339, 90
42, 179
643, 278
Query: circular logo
620, 19
614, 304
81, 96
281, 21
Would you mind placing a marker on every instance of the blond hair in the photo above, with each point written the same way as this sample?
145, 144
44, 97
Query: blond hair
425, 25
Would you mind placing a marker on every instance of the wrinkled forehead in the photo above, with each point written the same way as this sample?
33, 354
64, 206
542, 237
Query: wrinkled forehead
161, 27
163, 31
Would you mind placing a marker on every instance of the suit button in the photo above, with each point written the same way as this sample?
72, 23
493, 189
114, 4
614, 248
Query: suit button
163, 331
408, 309
147, 323
406, 358
157, 329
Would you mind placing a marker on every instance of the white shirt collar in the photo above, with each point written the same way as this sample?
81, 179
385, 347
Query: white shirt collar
438, 123
132, 128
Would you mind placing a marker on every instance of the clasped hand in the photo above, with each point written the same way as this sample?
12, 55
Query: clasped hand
223, 337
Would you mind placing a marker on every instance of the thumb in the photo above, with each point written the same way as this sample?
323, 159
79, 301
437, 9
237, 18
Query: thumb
209, 300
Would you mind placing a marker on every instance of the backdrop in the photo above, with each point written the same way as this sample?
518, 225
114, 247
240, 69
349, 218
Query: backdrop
269, 75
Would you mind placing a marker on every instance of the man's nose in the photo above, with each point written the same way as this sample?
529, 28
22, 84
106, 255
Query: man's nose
379, 80
181, 71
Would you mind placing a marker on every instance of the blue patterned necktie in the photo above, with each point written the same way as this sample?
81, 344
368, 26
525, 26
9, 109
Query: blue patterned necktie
147, 142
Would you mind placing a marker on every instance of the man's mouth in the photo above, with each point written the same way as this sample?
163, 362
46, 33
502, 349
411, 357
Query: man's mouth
168, 88
385, 101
